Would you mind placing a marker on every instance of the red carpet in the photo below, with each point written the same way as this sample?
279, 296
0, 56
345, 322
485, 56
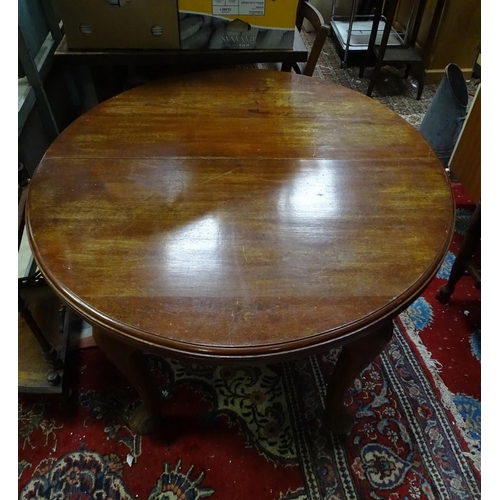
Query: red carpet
254, 433
448, 337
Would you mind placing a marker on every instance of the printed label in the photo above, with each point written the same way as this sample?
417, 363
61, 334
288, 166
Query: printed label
239, 7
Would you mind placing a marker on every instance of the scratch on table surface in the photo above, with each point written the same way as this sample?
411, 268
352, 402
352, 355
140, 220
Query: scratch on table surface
244, 255
319, 300
389, 143
231, 328
148, 197
126, 227
220, 175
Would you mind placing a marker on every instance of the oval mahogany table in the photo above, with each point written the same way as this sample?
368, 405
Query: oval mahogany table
239, 216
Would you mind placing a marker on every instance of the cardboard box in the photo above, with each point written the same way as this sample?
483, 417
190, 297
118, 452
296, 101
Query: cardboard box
120, 24
237, 24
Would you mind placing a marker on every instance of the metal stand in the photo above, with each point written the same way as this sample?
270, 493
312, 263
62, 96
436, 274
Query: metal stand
49, 353
353, 31
42, 325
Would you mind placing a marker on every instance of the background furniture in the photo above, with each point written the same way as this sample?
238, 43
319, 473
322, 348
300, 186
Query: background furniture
45, 106
465, 161
306, 11
253, 222
178, 59
47, 95
102, 72
465, 165
352, 22
456, 35
456, 32
403, 53
42, 336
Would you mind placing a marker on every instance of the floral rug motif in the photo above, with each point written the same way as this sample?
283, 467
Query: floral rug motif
266, 419
87, 475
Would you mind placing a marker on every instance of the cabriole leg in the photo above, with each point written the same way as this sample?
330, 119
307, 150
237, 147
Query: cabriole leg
354, 357
130, 361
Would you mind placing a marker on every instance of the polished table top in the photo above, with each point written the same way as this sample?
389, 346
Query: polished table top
239, 213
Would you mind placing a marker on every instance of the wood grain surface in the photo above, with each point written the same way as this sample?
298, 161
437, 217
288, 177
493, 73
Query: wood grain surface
239, 213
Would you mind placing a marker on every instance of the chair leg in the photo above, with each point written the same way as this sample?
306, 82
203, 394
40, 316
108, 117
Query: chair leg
421, 79
373, 79
420, 88
371, 85
383, 45
471, 239
373, 37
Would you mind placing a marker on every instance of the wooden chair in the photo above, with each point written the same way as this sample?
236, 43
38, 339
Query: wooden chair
307, 11
321, 30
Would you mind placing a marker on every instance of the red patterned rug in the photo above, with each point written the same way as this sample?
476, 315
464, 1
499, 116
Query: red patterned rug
447, 337
255, 433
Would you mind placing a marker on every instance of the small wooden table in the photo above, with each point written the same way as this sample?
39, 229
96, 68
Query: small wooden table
179, 57
174, 61
240, 216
